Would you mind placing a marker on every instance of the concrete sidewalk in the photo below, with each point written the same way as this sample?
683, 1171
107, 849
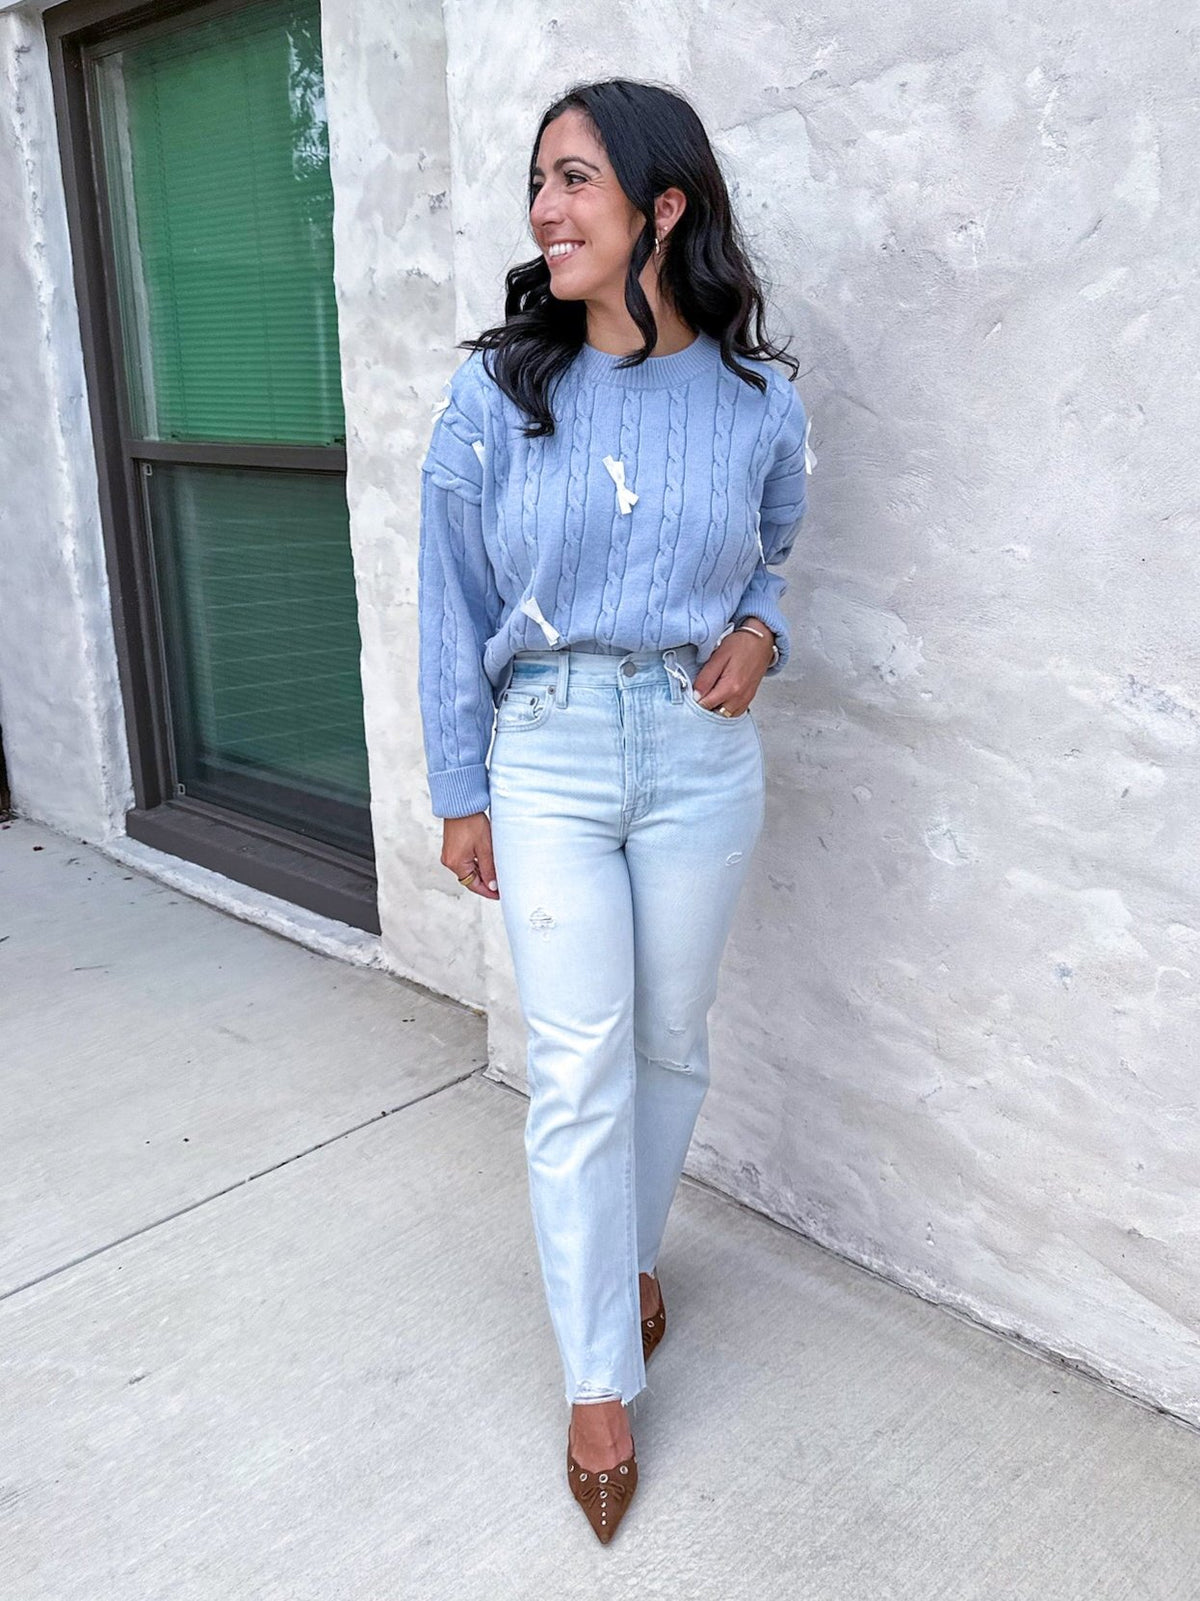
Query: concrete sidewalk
272, 1325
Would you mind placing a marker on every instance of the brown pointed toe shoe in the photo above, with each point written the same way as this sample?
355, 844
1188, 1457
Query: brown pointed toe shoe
604, 1495
653, 1328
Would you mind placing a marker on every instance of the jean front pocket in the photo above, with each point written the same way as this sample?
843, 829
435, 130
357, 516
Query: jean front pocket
714, 716
523, 706
689, 700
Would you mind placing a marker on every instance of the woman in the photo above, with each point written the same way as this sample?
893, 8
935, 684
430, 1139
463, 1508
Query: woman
601, 508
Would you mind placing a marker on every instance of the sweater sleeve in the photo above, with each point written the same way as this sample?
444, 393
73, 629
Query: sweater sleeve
784, 501
458, 607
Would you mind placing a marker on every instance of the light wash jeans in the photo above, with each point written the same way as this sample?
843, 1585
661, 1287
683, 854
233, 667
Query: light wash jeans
623, 819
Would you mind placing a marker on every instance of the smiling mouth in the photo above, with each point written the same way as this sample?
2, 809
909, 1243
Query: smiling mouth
563, 255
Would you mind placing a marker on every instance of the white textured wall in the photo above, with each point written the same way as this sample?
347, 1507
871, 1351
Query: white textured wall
956, 1033
60, 702
385, 77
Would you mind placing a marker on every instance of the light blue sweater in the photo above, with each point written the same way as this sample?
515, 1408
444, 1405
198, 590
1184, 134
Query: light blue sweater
651, 517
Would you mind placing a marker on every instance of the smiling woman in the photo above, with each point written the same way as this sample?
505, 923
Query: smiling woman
605, 507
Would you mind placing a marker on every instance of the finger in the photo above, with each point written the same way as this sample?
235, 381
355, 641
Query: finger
486, 881
722, 685
702, 693
731, 697
479, 873
709, 676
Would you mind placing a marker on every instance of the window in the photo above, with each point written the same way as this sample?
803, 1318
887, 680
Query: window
205, 227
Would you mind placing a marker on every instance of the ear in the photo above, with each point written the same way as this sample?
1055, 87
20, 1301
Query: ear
668, 208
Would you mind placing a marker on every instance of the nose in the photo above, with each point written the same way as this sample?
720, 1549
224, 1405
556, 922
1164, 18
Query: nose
544, 211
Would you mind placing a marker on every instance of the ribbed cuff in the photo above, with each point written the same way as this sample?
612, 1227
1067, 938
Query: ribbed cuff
459, 791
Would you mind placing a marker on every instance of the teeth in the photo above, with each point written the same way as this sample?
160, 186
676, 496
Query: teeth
562, 250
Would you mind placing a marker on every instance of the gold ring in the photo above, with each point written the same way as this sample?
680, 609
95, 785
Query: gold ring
725, 713
469, 876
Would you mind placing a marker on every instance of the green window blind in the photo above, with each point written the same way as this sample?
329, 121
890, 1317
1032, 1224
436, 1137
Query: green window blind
217, 144
257, 593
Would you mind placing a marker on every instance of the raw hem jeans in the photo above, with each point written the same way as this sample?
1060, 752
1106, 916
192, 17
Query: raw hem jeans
623, 819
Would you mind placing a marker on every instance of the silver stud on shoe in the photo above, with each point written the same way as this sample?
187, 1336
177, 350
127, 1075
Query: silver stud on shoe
604, 1491
653, 1328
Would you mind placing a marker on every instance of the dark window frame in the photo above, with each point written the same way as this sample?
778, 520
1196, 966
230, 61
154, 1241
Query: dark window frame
279, 861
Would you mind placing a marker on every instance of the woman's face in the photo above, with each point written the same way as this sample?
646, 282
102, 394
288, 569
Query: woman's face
578, 201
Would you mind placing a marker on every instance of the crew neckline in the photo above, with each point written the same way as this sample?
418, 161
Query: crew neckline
656, 372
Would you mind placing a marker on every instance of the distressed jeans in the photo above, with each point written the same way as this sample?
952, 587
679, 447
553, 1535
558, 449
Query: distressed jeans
623, 819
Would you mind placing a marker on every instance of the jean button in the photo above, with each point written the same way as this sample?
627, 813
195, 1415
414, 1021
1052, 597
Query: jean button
629, 668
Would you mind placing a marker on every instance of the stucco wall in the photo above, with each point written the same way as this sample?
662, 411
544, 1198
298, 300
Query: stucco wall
394, 266
956, 1032
60, 703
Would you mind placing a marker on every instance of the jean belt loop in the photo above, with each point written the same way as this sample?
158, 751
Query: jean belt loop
673, 673
564, 675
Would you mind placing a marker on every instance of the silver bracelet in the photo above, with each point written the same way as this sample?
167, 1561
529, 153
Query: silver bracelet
748, 628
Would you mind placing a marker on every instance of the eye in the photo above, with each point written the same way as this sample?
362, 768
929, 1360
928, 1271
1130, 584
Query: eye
537, 187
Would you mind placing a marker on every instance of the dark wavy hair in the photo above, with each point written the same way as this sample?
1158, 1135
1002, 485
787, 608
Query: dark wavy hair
654, 140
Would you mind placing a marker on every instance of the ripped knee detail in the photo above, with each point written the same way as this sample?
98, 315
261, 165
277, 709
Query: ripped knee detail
674, 1067
671, 1046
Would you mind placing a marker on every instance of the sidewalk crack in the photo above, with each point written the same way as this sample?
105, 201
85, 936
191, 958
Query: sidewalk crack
238, 1184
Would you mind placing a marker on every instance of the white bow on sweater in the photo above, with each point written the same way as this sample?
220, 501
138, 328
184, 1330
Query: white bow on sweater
626, 499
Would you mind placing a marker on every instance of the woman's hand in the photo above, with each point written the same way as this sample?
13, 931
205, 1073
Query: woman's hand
467, 845
731, 675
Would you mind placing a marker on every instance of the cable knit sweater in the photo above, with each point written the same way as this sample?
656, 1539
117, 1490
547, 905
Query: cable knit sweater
653, 516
